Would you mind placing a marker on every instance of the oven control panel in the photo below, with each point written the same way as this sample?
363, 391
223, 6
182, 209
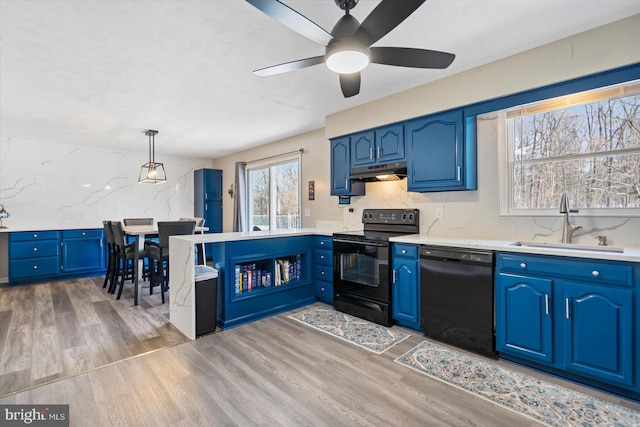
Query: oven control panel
390, 216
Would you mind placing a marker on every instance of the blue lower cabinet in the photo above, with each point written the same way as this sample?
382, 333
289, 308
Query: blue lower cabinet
82, 251
523, 317
573, 317
405, 286
261, 277
598, 332
323, 268
37, 256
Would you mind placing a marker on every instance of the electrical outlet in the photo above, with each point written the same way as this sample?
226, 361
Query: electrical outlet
440, 213
307, 212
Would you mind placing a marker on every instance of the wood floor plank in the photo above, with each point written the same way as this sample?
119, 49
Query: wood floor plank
46, 359
43, 315
60, 297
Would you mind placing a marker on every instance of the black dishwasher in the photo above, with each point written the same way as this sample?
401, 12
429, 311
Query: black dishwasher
456, 302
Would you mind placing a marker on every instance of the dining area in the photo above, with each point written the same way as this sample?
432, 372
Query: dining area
137, 251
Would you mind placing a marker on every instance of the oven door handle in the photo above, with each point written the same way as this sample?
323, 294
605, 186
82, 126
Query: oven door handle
360, 242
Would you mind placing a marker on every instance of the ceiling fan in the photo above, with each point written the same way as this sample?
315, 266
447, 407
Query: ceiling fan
348, 46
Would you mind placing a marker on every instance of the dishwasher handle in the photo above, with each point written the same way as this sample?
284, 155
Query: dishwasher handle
460, 255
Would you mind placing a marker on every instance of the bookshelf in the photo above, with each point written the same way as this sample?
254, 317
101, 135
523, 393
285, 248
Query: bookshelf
263, 277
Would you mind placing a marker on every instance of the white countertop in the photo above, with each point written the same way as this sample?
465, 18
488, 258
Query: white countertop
630, 253
249, 235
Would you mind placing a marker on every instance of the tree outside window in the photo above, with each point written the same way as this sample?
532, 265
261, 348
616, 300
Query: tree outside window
591, 151
274, 195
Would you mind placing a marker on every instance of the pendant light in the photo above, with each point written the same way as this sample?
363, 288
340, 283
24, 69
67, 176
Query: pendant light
152, 172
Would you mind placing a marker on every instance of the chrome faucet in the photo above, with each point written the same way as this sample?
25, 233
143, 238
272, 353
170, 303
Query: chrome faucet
567, 228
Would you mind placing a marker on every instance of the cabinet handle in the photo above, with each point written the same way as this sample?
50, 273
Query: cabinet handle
595, 273
322, 273
458, 171
35, 236
346, 183
35, 249
84, 234
566, 308
546, 303
394, 276
523, 265
371, 153
321, 243
404, 251
321, 256
322, 289
378, 152
35, 267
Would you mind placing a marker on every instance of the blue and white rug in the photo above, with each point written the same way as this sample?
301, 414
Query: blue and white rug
522, 393
357, 331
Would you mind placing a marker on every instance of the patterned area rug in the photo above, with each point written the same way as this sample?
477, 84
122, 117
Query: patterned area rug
522, 393
357, 331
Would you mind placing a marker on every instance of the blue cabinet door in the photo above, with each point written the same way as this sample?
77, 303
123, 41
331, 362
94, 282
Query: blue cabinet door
436, 153
82, 254
363, 150
341, 185
390, 143
207, 198
405, 293
598, 328
524, 317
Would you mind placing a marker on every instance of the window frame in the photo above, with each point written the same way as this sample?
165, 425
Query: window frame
506, 149
270, 163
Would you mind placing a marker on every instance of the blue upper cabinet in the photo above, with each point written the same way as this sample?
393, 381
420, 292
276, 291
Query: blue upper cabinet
363, 149
382, 145
390, 143
441, 153
341, 185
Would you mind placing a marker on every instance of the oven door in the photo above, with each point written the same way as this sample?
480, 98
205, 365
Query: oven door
361, 269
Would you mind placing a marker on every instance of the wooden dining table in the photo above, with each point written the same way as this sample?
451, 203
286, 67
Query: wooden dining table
140, 233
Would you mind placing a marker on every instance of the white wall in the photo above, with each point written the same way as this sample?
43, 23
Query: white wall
44, 186
315, 167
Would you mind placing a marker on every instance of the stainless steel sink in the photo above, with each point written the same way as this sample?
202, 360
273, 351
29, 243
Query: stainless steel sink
570, 246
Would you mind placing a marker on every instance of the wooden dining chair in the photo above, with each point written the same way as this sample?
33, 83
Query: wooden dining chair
158, 252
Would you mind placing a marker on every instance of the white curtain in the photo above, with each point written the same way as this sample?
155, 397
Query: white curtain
240, 198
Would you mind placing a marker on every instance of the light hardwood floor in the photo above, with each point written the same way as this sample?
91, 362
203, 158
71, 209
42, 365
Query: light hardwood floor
275, 371
52, 330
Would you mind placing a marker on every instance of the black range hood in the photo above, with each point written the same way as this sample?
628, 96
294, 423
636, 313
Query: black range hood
385, 172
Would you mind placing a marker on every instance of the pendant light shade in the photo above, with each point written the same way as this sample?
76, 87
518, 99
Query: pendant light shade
152, 172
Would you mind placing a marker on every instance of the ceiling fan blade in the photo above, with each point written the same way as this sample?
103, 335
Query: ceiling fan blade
409, 57
350, 84
384, 18
289, 66
292, 19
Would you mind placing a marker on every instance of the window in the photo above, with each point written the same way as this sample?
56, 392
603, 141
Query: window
274, 193
586, 144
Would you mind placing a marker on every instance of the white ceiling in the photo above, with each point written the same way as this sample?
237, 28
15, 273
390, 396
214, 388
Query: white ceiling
102, 72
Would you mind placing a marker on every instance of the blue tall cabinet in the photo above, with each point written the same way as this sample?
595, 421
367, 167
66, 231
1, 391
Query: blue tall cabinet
207, 198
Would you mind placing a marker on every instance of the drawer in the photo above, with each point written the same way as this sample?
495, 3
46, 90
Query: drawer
26, 268
323, 256
324, 242
586, 270
407, 251
25, 236
323, 272
324, 290
34, 249
79, 234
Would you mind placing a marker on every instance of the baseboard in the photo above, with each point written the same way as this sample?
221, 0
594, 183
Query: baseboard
4, 280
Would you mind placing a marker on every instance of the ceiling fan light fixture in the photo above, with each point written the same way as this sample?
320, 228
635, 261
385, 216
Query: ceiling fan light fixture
348, 61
